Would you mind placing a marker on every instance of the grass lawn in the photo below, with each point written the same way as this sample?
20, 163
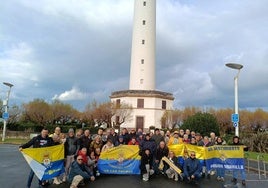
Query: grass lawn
254, 155
14, 141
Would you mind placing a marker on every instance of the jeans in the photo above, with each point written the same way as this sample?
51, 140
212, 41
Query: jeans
220, 172
69, 160
243, 174
30, 179
155, 167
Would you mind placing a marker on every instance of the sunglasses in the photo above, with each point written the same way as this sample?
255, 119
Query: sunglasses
193, 155
80, 159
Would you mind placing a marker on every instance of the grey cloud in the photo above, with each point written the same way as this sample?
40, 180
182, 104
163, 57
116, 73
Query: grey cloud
88, 46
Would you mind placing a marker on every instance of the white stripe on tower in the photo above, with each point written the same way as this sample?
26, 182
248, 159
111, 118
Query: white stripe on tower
142, 69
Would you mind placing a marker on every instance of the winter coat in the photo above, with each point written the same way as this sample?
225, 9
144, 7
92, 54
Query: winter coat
38, 142
71, 146
161, 152
192, 167
148, 144
146, 159
77, 169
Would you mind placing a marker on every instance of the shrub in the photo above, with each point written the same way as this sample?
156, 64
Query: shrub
257, 142
204, 123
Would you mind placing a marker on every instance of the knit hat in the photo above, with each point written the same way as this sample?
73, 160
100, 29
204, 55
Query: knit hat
71, 130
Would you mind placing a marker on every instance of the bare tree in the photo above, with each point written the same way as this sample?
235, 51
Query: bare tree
121, 113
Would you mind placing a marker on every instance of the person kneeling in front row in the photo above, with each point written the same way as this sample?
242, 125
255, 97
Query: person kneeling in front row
192, 169
79, 172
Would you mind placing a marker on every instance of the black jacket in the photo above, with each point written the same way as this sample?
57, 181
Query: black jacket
38, 142
161, 152
71, 146
146, 159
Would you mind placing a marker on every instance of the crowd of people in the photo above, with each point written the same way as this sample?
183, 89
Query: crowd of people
82, 151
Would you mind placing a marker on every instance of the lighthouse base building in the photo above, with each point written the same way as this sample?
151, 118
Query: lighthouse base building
148, 107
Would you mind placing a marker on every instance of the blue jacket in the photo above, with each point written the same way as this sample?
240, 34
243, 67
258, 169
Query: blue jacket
148, 144
192, 167
77, 169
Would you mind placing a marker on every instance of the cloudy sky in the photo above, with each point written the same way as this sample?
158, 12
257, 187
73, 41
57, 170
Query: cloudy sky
78, 51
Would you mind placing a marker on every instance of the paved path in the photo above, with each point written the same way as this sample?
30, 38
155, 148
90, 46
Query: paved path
14, 173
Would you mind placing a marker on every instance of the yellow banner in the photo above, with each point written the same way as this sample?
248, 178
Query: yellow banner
225, 152
216, 151
53, 153
200, 151
122, 151
178, 149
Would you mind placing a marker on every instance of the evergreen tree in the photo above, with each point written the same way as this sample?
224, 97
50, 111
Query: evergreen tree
204, 123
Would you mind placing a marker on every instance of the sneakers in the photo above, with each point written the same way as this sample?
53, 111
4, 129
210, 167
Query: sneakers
151, 172
234, 180
220, 178
181, 177
212, 173
57, 181
145, 179
64, 179
82, 183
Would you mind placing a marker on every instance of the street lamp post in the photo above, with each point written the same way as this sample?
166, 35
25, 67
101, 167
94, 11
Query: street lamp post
238, 67
5, 104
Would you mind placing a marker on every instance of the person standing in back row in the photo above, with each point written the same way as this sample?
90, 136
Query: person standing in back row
56, 136
157, 137
71, 148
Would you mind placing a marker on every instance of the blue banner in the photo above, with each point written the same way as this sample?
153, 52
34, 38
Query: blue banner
123, 159
227, 164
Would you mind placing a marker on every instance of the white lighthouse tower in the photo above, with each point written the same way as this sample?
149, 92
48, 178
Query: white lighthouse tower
147, 104
142, 70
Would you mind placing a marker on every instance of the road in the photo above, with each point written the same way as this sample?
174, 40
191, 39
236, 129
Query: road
14, 173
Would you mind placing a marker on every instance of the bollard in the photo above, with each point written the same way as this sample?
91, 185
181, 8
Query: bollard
259, 170
246, 156
264, 165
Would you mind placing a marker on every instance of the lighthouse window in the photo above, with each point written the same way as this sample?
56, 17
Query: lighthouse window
143, 22
142, 61
140, 103
117, 103
164, 104
143, 41
144, 3
141, 81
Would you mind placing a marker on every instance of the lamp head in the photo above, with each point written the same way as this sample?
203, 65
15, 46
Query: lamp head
8, 84
234, 66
